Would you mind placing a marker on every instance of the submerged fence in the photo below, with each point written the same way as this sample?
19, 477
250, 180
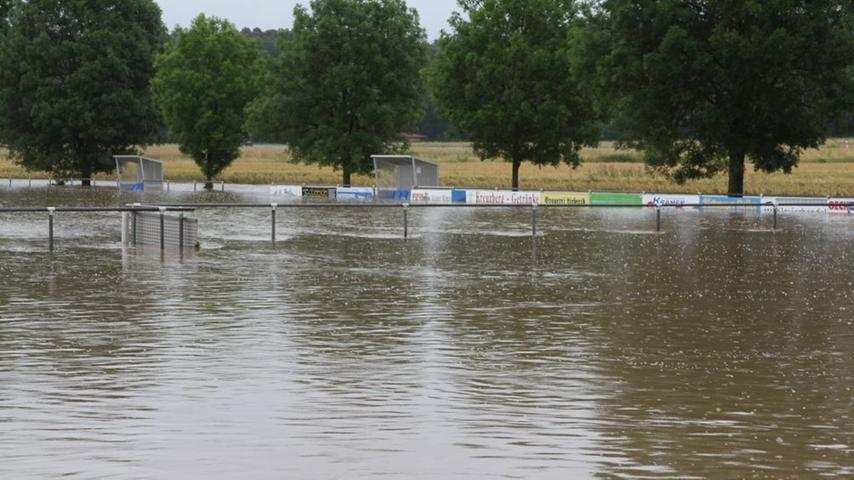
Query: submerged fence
149, 224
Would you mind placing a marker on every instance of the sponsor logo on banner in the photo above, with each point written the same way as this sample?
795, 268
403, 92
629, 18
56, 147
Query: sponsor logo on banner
318, 192
286, 191
431, 195
502, 197
397, 195
553, 198
805, 204
840, 205
458, 196
670, 200
354, 193
616, 199
732, 201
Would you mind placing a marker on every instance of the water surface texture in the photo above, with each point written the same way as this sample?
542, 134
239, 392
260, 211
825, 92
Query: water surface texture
716, 349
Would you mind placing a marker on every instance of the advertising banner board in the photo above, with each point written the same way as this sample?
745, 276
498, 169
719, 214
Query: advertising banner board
286, 191
616, 199
431, 195
840, 205
802, 204
319, 192
754, 202
354, 193
676, 200
559, 198
396, 195
502, 197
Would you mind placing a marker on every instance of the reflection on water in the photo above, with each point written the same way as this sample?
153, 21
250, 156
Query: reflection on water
717, 349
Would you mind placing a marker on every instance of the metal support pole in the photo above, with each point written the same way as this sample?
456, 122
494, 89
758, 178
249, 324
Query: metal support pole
657, 219
50, 212
194, 186
775, 217
10, 183
30, 182
181, 231
162, 228
222, 185
405, 221
167, 186
133, 225
273, 221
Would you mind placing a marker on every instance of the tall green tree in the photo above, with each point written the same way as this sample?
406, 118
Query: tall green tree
701, 87
348, 82
503, 78
74, 82
204, 83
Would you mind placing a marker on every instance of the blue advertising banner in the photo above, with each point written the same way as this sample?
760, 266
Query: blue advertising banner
354, 193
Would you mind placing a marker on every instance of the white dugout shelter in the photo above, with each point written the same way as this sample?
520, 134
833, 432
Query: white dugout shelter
401, 172
137, 174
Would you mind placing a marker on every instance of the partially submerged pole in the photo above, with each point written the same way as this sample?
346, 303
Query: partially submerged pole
273, 221
50, 212
405, 221
534, 220
775, 216
658, 218
162, 228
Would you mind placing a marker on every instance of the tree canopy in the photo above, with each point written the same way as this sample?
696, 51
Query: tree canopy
701, 86
503, 78
203, 85
74, 82
348, 82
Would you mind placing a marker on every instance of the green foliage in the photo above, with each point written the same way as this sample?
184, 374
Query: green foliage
503, 78
700, 86
348, 83
74, 82
203, 85
267, 40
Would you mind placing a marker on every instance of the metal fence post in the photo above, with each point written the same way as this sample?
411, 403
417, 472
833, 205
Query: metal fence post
194, 186
162, 228
273, 221
222, 185
50, 212
181, 231
405, 221
658, 218
775, 216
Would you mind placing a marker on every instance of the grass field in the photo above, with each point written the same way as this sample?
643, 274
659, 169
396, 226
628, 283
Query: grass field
827, 171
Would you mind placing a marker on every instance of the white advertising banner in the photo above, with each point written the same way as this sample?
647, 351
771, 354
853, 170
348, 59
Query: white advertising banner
676, 200
286, 191
431, 195
795, 204
354, 193
502, 197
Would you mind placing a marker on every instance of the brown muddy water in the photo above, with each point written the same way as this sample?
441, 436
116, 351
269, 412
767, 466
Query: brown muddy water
717, 349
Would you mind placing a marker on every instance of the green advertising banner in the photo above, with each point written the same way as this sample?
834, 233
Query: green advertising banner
616, 199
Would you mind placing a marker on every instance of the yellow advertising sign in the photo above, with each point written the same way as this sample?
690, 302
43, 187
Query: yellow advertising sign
566, 198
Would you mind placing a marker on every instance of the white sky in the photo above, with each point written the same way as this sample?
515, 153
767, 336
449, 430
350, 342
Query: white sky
269, 14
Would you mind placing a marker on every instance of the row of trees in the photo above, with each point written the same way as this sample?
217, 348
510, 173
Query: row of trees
699, 87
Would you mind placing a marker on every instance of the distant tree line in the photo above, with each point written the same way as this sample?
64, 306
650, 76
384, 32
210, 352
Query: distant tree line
700, 88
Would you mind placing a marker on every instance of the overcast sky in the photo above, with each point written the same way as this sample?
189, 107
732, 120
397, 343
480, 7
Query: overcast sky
268, 14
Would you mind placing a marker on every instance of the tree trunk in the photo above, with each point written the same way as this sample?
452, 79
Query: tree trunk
736, 173
345, 167
85, 175
516, 163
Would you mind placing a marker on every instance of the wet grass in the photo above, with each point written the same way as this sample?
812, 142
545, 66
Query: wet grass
826, 171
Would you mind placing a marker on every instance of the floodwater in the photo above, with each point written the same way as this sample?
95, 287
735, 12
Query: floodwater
716, 349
